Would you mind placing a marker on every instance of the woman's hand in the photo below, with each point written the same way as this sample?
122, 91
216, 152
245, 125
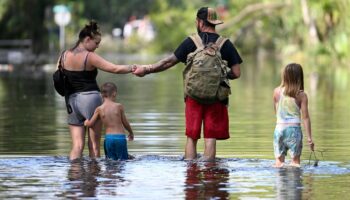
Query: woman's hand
142, 70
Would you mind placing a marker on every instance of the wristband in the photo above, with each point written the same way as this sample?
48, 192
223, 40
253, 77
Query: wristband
130, 68
150, 68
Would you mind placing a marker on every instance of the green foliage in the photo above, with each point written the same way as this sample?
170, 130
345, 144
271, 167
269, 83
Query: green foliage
175, 20
19, 22
3, 7
279, 29
284, 30
172, 24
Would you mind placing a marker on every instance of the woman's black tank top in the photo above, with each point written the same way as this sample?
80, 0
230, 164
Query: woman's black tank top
81, 81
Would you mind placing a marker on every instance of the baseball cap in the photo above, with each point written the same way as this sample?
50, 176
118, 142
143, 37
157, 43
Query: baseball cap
209, 14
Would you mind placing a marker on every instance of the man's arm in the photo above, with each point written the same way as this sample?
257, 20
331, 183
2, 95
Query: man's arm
159, 66
235, 72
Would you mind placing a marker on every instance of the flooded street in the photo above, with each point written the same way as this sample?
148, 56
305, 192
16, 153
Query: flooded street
35, 142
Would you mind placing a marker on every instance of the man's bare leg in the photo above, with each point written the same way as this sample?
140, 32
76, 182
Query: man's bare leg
191, 149
209, 149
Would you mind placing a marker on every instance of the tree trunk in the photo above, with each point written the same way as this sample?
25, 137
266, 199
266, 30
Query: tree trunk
310, 23
250, 10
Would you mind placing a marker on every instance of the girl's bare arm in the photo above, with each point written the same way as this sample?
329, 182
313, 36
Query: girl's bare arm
306, 118
275, 98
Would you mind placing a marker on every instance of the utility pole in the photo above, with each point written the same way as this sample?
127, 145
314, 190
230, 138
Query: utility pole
62, 18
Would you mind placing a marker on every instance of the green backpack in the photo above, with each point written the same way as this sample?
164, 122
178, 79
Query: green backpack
205, 75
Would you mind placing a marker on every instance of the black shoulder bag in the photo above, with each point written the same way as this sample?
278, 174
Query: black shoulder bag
59, 78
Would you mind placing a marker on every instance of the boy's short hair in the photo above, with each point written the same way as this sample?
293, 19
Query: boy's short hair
107, 89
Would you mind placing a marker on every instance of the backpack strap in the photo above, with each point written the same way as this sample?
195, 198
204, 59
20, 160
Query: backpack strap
197, 40
221, 41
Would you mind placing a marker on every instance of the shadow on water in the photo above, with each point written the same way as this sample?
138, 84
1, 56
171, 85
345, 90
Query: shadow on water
165, 177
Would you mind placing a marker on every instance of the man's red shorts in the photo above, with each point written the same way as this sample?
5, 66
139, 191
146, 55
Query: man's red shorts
214, 117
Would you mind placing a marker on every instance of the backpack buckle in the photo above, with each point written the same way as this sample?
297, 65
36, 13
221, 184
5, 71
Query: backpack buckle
211, 49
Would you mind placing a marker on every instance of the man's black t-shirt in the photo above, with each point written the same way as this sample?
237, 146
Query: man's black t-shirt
228, 51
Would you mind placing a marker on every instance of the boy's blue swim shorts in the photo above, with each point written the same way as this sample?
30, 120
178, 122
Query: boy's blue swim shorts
115, 146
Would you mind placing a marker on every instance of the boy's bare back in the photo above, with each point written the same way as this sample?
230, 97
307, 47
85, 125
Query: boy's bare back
111, 113
112, 116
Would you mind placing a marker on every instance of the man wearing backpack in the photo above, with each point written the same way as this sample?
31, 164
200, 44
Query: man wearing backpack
210, 61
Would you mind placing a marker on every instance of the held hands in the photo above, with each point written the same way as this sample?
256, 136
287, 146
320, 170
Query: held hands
131, 68
142, 70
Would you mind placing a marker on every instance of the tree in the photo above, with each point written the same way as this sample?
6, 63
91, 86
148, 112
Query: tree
25, 20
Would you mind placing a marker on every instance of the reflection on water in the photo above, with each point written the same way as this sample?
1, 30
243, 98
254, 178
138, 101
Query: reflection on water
91, 178
288, 183
167, 177
206, 181
82, 179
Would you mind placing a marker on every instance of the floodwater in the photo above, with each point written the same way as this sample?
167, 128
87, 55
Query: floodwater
35, 142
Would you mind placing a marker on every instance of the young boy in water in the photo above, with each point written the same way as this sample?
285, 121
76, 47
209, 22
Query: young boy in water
290, 103
114, 121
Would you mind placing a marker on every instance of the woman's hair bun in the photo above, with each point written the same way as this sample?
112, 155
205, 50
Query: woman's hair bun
93, 26
90, 30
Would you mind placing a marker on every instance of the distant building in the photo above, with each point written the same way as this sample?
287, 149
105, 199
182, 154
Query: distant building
16, 52
142, 28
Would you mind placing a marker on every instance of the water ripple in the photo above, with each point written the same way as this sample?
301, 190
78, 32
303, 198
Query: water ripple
155, 176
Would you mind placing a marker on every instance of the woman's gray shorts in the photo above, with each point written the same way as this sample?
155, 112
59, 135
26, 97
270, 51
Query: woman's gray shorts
81, 106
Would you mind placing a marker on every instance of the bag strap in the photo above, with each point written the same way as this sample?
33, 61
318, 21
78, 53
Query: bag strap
85, 61
221, 41
197, 40
60, 64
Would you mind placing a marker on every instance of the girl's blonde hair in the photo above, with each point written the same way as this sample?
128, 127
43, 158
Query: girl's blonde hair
292, 79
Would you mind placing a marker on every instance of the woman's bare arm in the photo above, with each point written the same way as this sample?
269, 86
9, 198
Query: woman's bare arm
100, 63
